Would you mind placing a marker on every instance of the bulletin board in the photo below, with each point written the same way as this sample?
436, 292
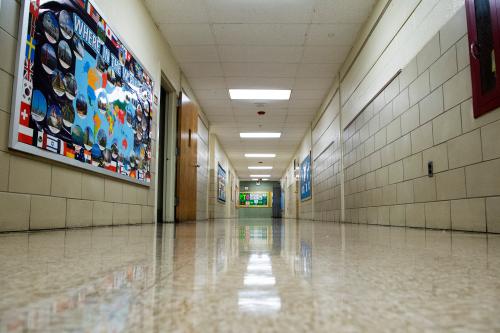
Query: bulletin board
221, 183
305, 179
255, 199
81, 97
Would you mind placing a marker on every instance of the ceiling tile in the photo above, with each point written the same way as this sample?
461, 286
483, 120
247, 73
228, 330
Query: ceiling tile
325, 54
259, 83
225, 132
259, 69
207, 82
341, 34
313, 83
270, 111
263, 127
306, 103
178, 11
196, 53
215, 103
187, 34
217, 111
275, 119
291, 125
221, 119
307, 94
318, 70
271, 54
299, 118
304, 111
202, 69
220, 128
342, 11
259, 105
260, 34
260, 11
212, 94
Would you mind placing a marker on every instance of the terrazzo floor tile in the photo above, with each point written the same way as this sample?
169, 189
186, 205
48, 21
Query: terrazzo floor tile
249, 276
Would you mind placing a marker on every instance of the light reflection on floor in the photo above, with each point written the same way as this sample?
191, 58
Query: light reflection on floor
249, 275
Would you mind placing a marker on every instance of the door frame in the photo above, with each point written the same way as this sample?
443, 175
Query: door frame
169, 116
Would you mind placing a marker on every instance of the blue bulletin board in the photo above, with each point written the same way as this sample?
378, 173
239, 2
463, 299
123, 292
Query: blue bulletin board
305, 178
82, 98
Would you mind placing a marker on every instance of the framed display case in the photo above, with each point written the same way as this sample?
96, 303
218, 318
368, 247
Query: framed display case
484, 50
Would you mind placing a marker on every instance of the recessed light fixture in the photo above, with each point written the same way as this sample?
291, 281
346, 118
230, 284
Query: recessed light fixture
260, 167
264, 94
260, 176
260, 155
260, 135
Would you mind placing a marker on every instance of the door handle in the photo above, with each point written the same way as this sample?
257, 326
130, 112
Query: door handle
197, 165
475, 50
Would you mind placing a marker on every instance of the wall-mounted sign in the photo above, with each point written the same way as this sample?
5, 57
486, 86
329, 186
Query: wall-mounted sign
255, 199
81, 97
221, 183
305, 178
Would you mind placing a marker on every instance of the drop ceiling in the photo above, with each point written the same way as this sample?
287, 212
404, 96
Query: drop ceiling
260, 44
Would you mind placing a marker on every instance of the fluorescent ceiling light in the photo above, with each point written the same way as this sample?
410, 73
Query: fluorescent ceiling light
255, 179
260, 176
264, 94
260, 155
260, 168
260, 135
265, 179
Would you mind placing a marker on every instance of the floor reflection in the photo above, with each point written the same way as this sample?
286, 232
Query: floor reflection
262, 275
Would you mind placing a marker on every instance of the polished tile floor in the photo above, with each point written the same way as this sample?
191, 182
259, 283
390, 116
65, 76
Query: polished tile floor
245, 276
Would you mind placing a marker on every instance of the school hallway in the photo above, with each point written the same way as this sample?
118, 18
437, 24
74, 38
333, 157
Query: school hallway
249, 166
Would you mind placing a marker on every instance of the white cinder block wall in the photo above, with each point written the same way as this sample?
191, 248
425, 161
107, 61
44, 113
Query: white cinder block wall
38, 194
327, 164
424, 115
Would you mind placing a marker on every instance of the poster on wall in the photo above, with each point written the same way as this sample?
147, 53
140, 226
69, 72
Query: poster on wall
305, 178
82, 98
221, 183
255, 199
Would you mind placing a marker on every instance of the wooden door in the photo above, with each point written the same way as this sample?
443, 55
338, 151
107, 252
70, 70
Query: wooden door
187, 140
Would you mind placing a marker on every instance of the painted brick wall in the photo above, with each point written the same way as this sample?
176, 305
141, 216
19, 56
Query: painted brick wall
327, 164
327, 184
426, 115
